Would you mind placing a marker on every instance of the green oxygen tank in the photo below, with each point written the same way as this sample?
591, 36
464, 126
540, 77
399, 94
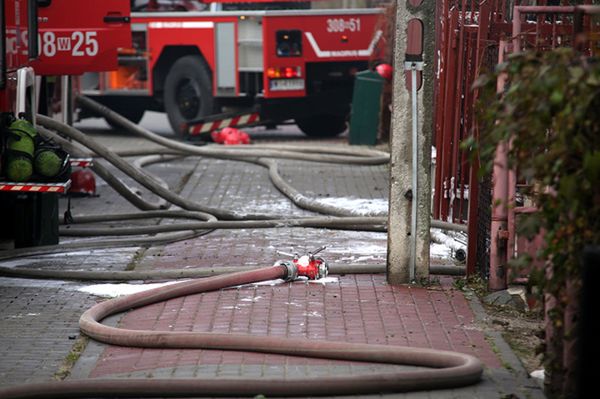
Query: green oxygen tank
48, 163
20, 148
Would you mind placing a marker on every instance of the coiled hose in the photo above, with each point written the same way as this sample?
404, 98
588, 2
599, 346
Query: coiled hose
445, 369
449, 369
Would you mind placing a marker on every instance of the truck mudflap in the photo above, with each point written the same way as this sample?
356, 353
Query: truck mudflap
211, 123
70, 45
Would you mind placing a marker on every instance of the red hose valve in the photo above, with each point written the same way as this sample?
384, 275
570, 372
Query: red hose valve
309, 265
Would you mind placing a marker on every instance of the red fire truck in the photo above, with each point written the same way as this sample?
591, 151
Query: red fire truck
233, 56
39, 39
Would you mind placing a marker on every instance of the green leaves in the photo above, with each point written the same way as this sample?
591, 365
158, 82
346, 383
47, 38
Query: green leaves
550, 113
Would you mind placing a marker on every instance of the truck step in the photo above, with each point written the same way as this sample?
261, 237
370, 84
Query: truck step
220, 121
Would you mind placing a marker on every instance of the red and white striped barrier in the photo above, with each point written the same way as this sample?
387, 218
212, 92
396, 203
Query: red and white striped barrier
81, 162
237, 121
36, 187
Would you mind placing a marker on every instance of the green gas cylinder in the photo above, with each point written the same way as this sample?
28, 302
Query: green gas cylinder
20, 148
48, 163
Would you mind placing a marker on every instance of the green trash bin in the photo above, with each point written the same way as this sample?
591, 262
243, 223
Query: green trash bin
366, 106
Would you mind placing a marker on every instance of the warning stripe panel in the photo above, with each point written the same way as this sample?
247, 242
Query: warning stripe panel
237, 121
81, 162
36, 187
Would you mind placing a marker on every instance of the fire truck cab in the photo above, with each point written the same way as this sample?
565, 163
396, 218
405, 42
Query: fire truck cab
191, 60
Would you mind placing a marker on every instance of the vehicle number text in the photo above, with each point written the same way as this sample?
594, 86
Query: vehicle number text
343, 25
78, 44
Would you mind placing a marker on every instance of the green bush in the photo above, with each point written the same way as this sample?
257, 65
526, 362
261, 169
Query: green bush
550, 112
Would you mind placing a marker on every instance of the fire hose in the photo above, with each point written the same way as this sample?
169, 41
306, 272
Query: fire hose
279, 182
135, 173
449, 369
305, 153
103, 172
445, 369
350, 156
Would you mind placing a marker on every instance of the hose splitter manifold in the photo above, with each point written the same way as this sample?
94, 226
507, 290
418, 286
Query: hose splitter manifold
310, 266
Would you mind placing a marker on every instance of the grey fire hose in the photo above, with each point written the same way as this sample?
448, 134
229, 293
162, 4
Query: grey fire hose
152, 159
166, 214
103, 172
174, 274
308, 153
444, 369
136, 173
162, 239
316, 222
449, 369
284, 187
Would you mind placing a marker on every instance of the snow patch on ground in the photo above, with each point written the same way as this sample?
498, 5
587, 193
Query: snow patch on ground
325, 280
259, 283
444, 244
21, 315
251, 299
538, 374
312, 314
116, 290
275, 206
359, 249
358, 206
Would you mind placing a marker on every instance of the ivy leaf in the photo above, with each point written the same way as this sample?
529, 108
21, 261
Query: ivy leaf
530, 225
576, 74
556, 97
481, 81
591, 165
593, 80
521, 262
568, 185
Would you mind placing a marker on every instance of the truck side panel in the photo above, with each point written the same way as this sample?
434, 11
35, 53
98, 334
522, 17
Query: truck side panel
197, 33
323, 39
77, 36
16, 26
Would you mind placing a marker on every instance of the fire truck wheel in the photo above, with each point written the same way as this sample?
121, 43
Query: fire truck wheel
322, 125
188, 92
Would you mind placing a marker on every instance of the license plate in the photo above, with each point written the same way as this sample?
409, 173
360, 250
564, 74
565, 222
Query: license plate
286, 84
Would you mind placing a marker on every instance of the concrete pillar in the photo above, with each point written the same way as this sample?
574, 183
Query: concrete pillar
399, 222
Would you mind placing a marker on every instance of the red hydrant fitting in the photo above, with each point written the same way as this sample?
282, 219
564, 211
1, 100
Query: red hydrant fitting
309, 265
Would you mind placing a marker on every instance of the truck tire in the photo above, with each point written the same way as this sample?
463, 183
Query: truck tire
322, 125
188, 92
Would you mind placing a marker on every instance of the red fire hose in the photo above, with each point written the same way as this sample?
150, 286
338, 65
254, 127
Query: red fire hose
445, 369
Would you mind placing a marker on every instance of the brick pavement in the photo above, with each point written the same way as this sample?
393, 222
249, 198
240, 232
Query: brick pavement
38, 327
354, 308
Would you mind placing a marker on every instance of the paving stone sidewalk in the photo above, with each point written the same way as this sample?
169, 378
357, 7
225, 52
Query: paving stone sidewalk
352, 308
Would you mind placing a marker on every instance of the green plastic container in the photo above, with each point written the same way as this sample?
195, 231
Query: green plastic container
366, 107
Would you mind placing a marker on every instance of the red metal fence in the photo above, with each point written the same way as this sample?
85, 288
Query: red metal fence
468, 41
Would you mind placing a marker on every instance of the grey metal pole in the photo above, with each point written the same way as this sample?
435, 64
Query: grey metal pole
413, 67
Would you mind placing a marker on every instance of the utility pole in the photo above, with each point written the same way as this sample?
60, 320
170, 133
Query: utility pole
412, 123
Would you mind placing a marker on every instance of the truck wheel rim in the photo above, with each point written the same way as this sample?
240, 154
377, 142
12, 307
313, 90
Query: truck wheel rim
188, 98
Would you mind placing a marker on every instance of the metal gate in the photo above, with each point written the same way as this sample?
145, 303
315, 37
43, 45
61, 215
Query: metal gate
467, 42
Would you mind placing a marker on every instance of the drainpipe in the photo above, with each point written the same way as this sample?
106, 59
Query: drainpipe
499, 228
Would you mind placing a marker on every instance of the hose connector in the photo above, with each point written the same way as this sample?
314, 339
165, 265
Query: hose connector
292, 270
309, 265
